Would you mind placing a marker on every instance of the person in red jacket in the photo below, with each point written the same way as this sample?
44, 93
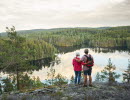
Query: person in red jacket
77, 68
87, 62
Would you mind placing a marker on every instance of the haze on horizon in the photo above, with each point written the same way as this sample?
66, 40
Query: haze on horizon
36, 14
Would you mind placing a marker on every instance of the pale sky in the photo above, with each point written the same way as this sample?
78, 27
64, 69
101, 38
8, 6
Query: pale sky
41, 14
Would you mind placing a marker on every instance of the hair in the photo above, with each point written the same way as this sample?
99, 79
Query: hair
77, 54
86, 51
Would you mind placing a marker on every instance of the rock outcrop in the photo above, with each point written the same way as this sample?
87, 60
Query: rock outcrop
99, 91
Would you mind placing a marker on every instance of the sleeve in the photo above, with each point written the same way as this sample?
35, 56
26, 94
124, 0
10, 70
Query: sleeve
83, 63
82, 59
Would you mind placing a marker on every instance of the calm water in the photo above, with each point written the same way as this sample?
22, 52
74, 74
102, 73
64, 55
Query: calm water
118, 58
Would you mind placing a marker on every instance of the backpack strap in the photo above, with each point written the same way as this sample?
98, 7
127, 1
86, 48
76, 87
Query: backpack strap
87, 56
89, 65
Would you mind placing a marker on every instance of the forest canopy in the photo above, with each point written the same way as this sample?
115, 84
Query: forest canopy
93, 37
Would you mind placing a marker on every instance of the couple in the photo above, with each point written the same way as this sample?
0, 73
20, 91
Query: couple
87, 62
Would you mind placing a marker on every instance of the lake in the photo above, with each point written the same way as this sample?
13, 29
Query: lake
119, 58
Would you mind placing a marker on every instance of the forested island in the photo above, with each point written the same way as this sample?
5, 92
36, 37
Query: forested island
22, 52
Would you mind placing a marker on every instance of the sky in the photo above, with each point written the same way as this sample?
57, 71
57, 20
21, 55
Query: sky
44, 14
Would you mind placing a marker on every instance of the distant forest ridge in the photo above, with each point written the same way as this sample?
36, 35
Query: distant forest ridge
59, 29
109, 37
104, 37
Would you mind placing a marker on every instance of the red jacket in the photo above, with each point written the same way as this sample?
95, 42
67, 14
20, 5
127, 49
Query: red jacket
77, 65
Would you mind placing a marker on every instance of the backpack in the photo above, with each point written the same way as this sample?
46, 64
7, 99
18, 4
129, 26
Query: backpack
89, 58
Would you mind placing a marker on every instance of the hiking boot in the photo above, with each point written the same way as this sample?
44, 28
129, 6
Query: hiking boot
84, 85
79, 83
76, 84
90, 85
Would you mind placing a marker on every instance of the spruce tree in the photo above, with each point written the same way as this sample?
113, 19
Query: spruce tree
14, 55
126, 75
108, 72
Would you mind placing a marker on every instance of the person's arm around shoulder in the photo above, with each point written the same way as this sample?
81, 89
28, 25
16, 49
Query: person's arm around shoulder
78, 60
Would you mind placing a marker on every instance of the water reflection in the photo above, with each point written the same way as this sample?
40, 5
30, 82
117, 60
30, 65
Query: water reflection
40, 63
65, 68
68, 49
63, 61
95, 49
106, 50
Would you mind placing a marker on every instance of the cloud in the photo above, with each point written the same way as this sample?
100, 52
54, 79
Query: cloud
28, 14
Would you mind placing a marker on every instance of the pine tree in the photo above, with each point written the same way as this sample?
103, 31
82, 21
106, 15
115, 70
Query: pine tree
98, 77
72, 79
108, 72
60, 80
8, 86
126, 75
51, 76
14, 55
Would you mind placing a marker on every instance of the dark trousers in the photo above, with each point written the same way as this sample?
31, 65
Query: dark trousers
77, 77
